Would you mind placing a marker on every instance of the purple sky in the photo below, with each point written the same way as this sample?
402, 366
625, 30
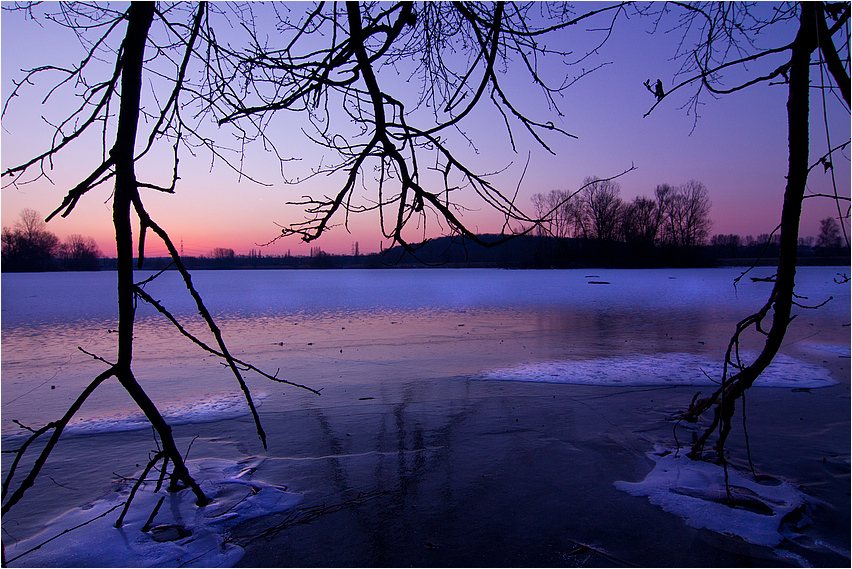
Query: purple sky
738, 149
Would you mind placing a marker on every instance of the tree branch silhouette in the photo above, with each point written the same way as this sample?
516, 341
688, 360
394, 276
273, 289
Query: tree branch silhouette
391, 133
194, 79
721, 29
126, 84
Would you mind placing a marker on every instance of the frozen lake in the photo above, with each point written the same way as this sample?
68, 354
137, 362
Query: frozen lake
660, 321
450, 344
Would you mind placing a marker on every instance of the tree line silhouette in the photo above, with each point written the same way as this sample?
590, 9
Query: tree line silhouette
548, 251
645, 232
667, 228
595, 226
534, 252
677, 216
29, 246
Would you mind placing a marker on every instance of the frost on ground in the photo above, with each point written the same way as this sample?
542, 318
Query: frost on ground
695, 490
662, 369
181, 533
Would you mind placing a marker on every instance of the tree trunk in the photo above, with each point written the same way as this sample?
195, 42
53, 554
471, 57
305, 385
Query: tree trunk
781, 298
132, 56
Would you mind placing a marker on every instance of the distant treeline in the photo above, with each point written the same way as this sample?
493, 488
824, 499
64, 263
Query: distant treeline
676, 217
526, 252
29, 247
537, 252
317, 260
522, 252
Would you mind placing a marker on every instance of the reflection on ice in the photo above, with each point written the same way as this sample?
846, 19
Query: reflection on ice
180, 534
201, 409
662, 369
695, 491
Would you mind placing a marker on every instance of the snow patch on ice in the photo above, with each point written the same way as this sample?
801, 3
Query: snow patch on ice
695, 491
205, 408
181, 534
839, 350
661, 369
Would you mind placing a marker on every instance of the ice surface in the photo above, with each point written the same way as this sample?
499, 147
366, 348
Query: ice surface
839, 350
198, 409
661, 369
46, 316
695, 491
181, 534
51, 297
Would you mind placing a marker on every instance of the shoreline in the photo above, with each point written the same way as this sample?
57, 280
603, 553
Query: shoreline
345, 263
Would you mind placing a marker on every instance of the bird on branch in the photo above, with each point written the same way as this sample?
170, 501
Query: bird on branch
657, 90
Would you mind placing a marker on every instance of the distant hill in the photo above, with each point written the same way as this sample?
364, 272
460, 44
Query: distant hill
537, 252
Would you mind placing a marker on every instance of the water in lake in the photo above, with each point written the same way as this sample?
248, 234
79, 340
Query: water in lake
289, 320
441, 352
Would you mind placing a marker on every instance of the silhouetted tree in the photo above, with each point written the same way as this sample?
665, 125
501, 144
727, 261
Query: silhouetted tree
687, 214
80, 253
723, 37
557, 212
806, 241
400, 128
641, 221
829, 234
601, 209
731, 241
28, 245
221, 253
726, 246
679, 218
117, 97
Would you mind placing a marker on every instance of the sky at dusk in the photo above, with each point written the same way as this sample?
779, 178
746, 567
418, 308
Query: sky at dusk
737, 149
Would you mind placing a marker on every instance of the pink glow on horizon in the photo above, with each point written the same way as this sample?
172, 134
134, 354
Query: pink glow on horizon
201, 234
